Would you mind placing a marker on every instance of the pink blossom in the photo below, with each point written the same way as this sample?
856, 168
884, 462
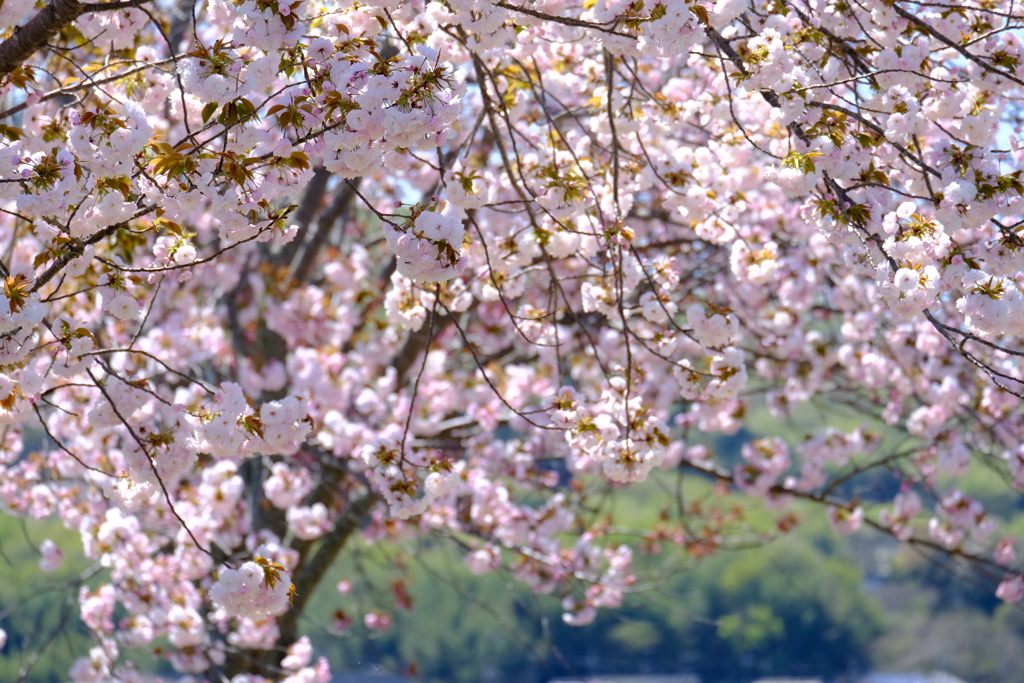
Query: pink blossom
51, 556
377, 621
1011, 589
1005, 552
337, 272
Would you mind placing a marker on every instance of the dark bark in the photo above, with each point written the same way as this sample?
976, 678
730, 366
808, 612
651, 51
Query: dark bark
36, 33
312, 246
309, 575
33, 36
306, 578
309, 208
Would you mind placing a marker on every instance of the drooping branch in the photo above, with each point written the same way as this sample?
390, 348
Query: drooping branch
934, 33
85, 84
978, 560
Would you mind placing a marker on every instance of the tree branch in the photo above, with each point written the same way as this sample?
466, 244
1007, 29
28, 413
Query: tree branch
37, 32
308, 578
75, 248
84, 84
312, 203
113, 6
326, 221
310, 574
931, 31
31, 37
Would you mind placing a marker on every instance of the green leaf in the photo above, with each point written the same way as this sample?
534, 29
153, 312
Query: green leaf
209, 110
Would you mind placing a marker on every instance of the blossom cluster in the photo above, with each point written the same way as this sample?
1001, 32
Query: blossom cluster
293, 276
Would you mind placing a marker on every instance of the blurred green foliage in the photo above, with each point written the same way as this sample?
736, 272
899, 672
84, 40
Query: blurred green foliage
39, 611
788, 608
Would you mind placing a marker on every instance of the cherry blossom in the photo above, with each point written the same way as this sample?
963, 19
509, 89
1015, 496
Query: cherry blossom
285, 277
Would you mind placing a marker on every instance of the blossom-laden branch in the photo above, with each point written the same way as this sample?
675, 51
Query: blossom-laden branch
286, 274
